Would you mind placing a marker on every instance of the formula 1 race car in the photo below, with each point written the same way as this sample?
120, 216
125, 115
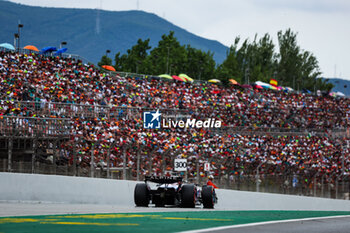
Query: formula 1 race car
171, 191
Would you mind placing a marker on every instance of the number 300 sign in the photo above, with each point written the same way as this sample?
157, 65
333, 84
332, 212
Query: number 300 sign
180, 165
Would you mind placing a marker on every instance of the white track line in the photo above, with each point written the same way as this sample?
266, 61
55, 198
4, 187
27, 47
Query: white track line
261, 223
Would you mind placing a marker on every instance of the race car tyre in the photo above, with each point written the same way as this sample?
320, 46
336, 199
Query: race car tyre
188, 196
141, 196
208, 196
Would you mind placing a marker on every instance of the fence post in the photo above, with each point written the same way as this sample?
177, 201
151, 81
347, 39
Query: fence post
197, 168
9, 159
54, 157
315, 184
138, 164
124, 163
109, 160
74, 159
34, 152
92, 160
336, 186
257, 176
150, 161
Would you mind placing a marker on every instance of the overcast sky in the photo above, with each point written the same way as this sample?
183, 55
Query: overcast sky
322, 25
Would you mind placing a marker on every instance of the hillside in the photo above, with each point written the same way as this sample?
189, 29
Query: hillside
118, 31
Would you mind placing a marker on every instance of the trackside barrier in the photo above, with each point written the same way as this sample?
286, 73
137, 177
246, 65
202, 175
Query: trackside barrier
80, 190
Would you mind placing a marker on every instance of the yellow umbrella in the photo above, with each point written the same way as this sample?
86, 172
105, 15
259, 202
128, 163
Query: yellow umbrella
165, 76
185, 76
214, 80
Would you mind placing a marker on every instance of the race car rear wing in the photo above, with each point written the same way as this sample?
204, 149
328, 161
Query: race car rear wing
163, 179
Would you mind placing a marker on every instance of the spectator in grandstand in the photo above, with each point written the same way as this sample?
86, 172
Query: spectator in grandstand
67, 88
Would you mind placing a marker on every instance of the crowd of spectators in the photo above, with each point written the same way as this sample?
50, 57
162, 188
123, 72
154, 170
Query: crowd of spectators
106, 112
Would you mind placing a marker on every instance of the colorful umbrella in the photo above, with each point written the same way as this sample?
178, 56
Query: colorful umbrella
110, 68
165, 76
60, 51
185, 76
232, 81
178, 78
214, 81
262, 84
7, 46
247, 86
31, 47
48, 50
340, 93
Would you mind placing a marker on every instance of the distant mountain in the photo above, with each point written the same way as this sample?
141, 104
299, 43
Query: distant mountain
341, 85
117, 31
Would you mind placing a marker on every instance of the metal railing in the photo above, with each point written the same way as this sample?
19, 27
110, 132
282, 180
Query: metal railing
16, 126
56, 109
70, 110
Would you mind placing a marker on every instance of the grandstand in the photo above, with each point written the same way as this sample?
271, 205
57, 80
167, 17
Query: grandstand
62, 116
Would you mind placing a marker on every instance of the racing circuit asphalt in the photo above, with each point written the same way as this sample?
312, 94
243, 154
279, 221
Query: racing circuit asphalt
320, 225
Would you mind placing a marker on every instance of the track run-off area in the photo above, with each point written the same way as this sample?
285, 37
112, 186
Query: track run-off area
150, 222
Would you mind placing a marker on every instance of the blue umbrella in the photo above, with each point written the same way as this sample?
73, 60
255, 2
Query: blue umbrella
60, 51
7, 46
48, 50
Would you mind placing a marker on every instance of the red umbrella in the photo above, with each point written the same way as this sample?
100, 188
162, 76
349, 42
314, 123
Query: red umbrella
110, 68
179, 78
246, 86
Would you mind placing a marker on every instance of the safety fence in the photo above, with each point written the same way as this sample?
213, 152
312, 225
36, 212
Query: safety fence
56, 109
85, 111
327, 186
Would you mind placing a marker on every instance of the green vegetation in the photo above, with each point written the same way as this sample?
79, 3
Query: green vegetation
258, 60
117, 30
199, 58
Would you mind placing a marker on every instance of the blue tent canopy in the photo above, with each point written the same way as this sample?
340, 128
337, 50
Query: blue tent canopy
48, 50
60, 51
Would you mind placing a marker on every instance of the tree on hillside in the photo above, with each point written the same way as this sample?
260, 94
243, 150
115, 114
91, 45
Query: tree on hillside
251, 62
231, 67
289, 63
169, 57
297, 68
133, 60
199, 64
105, 61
